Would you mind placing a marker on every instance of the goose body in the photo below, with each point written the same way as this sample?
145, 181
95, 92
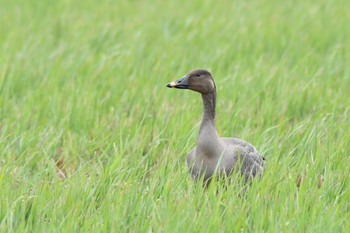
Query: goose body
215, 154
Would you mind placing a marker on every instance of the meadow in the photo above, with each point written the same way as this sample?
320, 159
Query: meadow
91, 140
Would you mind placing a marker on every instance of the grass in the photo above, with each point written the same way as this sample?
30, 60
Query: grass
92, 141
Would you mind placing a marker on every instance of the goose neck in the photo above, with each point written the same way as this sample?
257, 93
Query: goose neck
209, 104
208, 126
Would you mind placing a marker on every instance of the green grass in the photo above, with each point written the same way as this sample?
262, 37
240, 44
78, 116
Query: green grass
82, 84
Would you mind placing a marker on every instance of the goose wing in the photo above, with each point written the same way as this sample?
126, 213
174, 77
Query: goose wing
252, 161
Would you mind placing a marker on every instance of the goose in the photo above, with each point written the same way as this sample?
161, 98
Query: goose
215, 154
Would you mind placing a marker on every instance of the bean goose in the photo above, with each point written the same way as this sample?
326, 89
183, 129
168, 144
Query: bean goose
215, 154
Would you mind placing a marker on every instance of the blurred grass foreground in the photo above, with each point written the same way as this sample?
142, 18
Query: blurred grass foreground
92, 141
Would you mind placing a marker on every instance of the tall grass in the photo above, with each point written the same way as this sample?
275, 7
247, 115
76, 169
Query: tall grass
92, 141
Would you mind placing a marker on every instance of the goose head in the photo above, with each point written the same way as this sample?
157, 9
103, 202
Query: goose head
197, 80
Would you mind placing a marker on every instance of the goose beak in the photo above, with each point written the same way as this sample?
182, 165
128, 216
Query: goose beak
182, 83
172, 84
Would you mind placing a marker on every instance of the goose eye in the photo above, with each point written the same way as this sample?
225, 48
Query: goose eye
197, 75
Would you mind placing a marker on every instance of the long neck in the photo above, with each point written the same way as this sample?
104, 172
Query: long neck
208, 142
209, 104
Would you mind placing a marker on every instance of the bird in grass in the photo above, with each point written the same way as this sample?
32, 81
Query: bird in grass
215, 154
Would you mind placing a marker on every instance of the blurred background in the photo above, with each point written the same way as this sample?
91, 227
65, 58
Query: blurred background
91, 139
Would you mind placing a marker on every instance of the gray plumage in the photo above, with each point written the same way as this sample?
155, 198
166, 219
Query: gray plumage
214, 154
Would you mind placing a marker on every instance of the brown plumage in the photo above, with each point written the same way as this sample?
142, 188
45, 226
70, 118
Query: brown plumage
214, 154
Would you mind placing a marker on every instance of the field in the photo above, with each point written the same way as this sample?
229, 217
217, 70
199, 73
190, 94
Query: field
91, 140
